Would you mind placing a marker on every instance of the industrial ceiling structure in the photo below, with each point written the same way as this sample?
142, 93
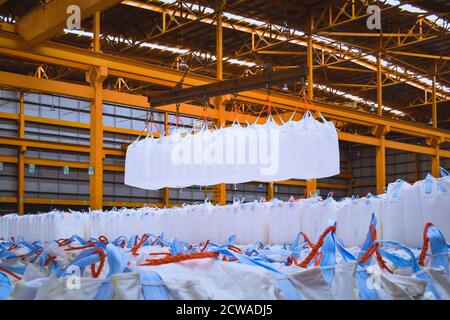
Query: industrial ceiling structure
377, 85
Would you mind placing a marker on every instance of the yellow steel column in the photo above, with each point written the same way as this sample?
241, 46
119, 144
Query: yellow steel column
96, 76
436, 157
434, 118
379, 83
270, 191
380, 132
96, 41
166, 191
21, 158
221, 192
311, 185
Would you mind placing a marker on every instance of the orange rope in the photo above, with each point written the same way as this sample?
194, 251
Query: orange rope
156, 240
307, 239
374, 249
10, 273
426, 241
137, 246
318, 258
182, 257
234, 248
90, 245
63, 242
204, 247
96, 273
316, 247
48, 259
103, 240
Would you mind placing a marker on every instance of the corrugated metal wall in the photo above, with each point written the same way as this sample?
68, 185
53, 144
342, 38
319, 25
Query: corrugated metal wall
399, 165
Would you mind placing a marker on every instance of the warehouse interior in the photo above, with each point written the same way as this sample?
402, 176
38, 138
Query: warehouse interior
226, 150
72, 100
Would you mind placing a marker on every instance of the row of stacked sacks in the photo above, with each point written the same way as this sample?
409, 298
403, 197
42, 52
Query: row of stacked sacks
153, 268
403, 211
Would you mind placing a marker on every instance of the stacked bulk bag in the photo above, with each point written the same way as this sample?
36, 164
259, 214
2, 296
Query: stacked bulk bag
434, 200
285, 221
403, 210
392, 216
354, 215
409, 207
317, 214
235, 154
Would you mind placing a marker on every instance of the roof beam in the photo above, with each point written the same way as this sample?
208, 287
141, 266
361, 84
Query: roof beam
50, 19
268, 30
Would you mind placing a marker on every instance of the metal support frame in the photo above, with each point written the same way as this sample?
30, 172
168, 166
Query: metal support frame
311, 185
166, 191
233, 86
96, 76
270, 191
379, 82
380, 157
96, 40
220, 192
50, 19
434, 116
68, 55
436, 155
21, 157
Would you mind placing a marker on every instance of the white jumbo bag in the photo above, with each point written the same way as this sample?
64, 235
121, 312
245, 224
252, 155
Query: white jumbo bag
285, 221
345, 223
434, 201
328, 147
207, 279
261, 214
413, 215
353, 218
392, 215
316, 216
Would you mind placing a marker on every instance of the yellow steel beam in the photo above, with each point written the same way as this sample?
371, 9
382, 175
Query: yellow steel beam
434, 116
21, 157
284, 53
71, 124
59, 163
301, 183
51, 145
345, 68
19, 81
367, 34
166, 191
50, 19
417, 55
96, 40
76, 202
351, 85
